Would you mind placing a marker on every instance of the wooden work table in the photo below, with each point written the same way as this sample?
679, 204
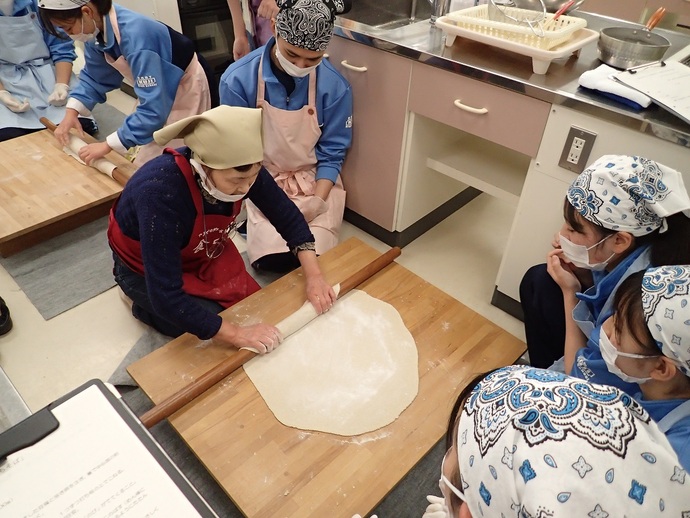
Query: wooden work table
44, 191
270, 470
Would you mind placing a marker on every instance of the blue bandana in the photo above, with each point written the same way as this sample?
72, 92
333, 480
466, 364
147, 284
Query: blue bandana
666, 306
533, 442
628, 193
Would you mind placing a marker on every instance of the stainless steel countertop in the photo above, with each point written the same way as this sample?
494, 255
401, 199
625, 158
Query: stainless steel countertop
425, 43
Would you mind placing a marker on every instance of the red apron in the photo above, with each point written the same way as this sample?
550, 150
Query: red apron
223, 279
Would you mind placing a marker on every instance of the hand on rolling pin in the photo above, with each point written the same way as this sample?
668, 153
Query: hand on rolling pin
69, 121
319, 292
260, 338
92, 152
12, 103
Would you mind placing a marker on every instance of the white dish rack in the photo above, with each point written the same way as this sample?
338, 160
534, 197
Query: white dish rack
544, 40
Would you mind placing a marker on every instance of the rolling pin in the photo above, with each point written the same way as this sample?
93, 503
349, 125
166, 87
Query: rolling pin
172, 404
118, 174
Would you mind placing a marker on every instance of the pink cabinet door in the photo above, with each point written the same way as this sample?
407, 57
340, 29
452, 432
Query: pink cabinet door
492, 113
371, 170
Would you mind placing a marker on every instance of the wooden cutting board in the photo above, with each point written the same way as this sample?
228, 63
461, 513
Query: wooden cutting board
44, 192
270, 470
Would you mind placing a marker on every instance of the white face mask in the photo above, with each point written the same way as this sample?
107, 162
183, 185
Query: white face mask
609, 353
292, 69
211, 189
579, 254
84, 38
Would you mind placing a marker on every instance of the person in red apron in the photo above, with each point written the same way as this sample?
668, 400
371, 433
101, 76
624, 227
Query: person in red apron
161, 64
170, 230
307, 124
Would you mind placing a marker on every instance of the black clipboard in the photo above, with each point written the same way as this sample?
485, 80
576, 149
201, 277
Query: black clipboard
18, 459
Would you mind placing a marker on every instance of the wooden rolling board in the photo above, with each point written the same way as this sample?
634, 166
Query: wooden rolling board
44, 192
270, 470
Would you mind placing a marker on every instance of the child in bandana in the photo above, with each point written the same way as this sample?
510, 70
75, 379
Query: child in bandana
307, 124
644, 349
529, 442
622, 215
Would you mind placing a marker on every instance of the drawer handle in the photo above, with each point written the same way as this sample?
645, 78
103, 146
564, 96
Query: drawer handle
352, 67
480, 111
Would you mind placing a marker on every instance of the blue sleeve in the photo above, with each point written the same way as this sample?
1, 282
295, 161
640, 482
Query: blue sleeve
61, 49
280, 210
238, 84
156, 87
336, 134
96, 79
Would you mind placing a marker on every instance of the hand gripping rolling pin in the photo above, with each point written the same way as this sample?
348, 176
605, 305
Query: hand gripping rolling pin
175, 402
118, 173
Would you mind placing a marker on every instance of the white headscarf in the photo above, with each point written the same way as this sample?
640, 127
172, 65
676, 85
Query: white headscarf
666, 306
538, 443
628, 193
61, 5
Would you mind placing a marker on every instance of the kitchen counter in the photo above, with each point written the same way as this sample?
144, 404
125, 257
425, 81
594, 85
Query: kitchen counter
425, 43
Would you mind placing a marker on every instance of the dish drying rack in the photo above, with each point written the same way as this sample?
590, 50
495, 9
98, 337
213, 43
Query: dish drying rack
543, 40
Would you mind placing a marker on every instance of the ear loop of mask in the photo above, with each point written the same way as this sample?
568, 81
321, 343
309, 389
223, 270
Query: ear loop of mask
449, 484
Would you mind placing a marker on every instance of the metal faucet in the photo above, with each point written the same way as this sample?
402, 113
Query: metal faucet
439, 8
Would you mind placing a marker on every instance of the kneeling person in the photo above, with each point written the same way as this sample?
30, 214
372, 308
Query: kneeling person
170, 230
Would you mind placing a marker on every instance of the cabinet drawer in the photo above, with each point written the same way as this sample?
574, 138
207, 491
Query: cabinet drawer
501, 116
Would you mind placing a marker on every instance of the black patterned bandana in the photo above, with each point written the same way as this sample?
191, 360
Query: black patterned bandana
308, 24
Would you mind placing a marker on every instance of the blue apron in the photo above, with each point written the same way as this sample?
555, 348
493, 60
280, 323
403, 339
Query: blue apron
27, 72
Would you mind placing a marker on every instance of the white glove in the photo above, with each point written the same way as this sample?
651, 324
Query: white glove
436, 508
59, 95
313, 207
13, 103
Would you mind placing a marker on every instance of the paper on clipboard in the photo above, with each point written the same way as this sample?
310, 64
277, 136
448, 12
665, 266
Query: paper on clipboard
667, 83
92, 465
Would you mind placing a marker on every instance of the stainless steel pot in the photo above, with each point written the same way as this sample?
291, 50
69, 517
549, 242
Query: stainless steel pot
624, 47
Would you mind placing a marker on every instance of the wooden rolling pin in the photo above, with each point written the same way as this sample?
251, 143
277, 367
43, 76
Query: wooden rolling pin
120, 174
183, 396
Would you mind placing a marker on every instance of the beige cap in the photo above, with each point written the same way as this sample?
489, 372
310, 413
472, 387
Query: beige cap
221, 138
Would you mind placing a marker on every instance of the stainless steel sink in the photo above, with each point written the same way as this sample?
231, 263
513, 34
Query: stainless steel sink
388, 14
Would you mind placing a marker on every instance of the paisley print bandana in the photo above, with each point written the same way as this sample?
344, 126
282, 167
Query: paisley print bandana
629, 194
538, 443
61, 5
666, 306
308, 24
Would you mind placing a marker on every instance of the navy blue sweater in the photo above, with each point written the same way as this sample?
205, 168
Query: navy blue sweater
156, 209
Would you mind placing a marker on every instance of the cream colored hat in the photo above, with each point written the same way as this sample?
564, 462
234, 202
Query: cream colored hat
223, 137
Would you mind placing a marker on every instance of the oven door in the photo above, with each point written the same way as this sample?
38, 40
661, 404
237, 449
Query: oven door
209, 25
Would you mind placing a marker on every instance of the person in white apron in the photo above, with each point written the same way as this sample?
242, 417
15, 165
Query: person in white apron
307, 125
161, 64
35, 70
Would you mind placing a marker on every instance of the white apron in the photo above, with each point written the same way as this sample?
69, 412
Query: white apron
27, 72
289, 138
192, 97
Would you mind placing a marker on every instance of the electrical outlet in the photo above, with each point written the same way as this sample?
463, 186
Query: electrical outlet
577, 148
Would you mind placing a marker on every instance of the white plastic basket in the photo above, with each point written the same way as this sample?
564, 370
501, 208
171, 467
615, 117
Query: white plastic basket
545, 34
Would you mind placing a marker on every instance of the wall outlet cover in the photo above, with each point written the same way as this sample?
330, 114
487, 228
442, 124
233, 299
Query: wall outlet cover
577, 148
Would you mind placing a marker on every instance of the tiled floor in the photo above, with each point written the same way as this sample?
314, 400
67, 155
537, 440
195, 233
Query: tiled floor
46, 359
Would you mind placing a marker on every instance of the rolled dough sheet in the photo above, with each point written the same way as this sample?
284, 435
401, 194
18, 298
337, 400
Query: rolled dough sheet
350, 371
75, 144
